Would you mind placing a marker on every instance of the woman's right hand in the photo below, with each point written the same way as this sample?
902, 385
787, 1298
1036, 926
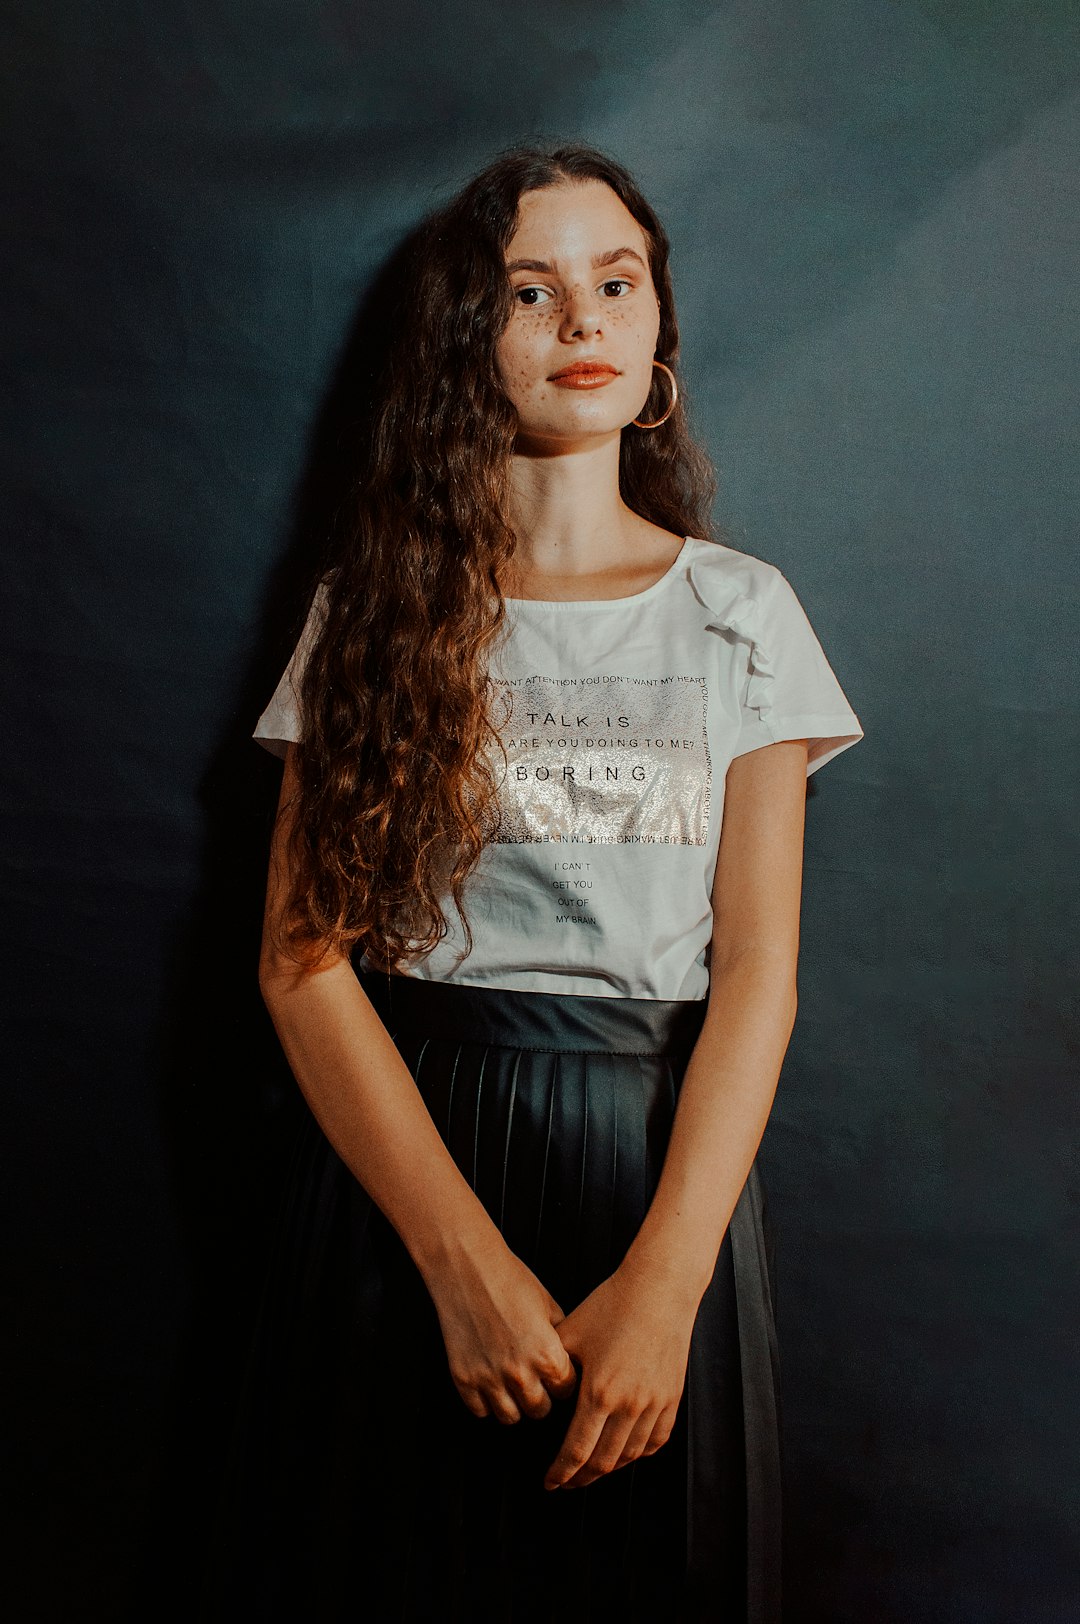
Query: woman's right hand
498, 1323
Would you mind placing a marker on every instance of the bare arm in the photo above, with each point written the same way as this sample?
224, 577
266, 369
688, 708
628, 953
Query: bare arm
496, 1316
730, 1083
632, 1334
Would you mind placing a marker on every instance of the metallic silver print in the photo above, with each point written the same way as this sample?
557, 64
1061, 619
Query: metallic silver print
606, 760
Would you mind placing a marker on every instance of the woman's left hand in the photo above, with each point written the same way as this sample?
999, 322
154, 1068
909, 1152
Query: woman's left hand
631, 1338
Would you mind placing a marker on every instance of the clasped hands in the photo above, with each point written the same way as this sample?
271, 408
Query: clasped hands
512, 1351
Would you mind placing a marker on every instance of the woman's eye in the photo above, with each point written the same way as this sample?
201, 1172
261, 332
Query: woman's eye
533, 295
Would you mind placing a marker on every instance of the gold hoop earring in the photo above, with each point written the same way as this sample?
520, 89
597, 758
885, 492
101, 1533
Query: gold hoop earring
671, 408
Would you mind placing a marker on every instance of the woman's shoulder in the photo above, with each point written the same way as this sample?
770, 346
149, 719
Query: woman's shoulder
729, 583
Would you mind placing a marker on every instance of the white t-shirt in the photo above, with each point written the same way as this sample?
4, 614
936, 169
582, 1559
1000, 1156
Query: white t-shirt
626, 714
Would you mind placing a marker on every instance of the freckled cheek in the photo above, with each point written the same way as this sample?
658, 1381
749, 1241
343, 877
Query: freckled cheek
631, 323
523, 363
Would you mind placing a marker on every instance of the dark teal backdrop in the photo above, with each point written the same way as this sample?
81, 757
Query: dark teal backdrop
874, 210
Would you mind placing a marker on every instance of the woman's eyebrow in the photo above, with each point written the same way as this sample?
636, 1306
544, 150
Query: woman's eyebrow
608, 258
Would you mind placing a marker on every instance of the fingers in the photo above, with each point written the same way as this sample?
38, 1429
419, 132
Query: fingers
504, 1409
533, 1391
505, 1360
610, 1449
535, 1402
599, 1441
473, 1401
521, 1390
561, 1382
582, 1436
644, 1438
661, 1431
493, 1402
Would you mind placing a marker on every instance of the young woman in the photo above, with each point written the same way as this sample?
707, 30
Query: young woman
530, 948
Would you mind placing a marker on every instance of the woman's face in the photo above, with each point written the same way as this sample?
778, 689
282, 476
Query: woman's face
583, 298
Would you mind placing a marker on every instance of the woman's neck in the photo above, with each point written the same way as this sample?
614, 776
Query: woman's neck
571, 522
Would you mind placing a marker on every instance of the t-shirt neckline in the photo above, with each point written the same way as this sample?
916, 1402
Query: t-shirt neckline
607, 603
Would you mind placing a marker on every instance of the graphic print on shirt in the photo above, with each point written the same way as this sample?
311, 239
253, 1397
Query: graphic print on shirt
606, 760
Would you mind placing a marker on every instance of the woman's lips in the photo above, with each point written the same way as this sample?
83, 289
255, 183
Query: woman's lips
586, 375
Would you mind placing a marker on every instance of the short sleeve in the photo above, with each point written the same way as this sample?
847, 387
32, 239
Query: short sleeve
791, 689
280, 723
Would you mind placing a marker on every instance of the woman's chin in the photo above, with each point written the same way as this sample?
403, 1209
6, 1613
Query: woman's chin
573, 432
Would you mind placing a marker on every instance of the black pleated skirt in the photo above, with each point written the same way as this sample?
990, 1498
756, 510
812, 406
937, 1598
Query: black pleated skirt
359, 1489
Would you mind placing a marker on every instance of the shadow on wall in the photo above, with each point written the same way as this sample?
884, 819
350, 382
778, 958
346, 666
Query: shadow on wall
229, 1104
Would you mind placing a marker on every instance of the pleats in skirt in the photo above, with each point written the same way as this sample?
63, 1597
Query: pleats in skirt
358, 1486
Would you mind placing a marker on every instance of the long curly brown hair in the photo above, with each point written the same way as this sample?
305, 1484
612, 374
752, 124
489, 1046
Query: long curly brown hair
399, 764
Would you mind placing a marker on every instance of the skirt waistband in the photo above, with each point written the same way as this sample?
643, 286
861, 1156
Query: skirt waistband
569, 1023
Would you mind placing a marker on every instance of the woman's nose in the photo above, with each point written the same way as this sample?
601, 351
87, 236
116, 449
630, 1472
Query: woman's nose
581, 314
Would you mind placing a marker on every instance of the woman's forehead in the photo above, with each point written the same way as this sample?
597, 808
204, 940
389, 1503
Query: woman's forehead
572, 218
